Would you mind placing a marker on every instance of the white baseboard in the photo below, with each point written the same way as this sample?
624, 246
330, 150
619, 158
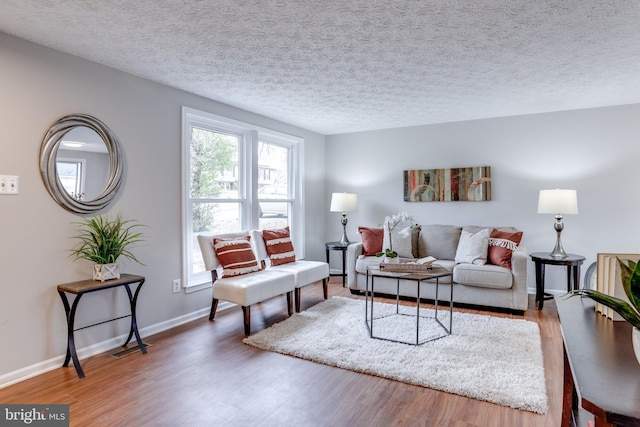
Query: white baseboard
101, 347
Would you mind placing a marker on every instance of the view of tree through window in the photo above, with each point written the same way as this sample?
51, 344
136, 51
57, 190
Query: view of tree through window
214, 158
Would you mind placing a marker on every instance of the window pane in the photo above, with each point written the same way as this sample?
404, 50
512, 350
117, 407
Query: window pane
214, 165
267, 223
211, 218
274, 192
273, 171
70, 175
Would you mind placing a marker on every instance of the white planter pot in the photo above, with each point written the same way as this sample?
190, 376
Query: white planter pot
635, 337
104, 272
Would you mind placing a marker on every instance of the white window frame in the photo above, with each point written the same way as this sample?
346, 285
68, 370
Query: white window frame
250, 135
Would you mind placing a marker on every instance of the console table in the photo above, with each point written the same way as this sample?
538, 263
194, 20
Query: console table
86, 286
600, 368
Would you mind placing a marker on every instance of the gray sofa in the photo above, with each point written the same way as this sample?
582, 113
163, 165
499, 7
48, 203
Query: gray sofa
484, 285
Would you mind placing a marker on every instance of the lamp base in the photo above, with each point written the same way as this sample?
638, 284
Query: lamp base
558, 252
344, 241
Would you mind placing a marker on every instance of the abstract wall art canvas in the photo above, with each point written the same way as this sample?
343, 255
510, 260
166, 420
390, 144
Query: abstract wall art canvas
448, 185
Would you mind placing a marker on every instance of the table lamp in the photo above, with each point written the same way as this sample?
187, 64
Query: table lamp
344, 202
558, 202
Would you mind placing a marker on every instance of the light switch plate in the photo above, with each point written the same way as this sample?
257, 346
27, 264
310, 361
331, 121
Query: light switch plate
9, 184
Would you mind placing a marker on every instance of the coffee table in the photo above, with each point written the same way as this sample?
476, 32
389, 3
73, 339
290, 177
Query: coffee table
375, 315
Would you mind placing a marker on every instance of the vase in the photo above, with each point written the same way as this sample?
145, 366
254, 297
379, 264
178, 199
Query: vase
391, 260
635, 338
102, 272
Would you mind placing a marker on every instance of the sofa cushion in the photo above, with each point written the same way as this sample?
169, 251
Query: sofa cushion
476, 228
439, 241
372, 239
249, 289
501, 245
305, 272
485, 276
279, 246
367, 261
473, 247
401, 240
235, 256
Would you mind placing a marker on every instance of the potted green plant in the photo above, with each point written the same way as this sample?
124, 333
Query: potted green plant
630, 278
103, 240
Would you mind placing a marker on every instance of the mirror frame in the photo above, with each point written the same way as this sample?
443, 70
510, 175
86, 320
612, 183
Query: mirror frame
48, 167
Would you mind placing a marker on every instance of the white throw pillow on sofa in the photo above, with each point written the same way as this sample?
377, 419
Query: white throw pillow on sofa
473, 248
401, 239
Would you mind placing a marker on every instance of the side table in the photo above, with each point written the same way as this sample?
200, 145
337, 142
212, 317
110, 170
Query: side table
541, 259
337, 246
85, 286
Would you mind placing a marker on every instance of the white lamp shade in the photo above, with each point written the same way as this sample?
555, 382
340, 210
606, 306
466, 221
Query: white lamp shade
558, 202
344, 202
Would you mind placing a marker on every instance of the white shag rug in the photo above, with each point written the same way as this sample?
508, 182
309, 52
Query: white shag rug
494, 359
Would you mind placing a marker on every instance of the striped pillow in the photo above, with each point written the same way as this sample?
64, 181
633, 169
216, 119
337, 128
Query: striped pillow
235, 256
279, 246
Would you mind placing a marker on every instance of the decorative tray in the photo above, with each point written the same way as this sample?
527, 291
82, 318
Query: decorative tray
404, 267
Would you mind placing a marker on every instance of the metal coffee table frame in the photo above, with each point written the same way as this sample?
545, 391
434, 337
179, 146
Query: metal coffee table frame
436, 273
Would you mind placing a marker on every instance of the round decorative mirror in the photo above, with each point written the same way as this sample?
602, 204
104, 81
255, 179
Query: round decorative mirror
81, 163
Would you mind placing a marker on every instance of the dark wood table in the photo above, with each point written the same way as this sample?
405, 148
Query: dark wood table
85, 286
337, 246
601, 373
541, 259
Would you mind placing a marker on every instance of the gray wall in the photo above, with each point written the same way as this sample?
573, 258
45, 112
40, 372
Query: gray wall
595, 151
40, 85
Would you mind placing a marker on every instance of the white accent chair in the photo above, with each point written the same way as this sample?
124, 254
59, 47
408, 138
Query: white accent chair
247, 289
305, 272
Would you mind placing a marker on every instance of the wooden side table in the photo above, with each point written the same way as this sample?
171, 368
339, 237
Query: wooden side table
337, 246
85, 286
541, 259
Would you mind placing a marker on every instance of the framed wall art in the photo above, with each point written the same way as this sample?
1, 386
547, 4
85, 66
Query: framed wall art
448, 185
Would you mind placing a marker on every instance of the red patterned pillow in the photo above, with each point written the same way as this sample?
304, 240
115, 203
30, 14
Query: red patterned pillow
235, 256
371, 240
501, 245
279, 246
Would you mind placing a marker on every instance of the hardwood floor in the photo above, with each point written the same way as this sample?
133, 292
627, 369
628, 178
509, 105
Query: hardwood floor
201, 374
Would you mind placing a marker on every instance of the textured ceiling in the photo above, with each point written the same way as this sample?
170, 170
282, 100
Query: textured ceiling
341, 66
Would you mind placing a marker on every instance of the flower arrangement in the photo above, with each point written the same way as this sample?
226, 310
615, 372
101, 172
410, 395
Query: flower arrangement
389, 224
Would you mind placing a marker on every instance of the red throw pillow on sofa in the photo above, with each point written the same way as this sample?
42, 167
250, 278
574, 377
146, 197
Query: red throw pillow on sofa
501, 245
235, 256
279, 246
371, 240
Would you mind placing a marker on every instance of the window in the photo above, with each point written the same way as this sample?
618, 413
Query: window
236, 177
71, 174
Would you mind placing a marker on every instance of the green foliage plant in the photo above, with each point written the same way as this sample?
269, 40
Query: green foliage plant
630, 277
103, 240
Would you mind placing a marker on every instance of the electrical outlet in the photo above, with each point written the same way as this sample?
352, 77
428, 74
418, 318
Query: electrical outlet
176, 286
9, 184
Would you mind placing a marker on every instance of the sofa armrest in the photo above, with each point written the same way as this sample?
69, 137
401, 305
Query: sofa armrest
353, 252
519, 262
